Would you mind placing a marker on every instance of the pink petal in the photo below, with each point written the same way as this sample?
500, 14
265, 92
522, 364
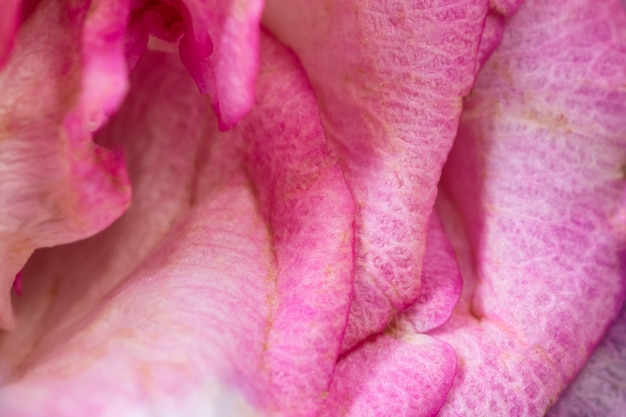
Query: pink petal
492, 35
9, 21
392, 377
56, 186
441, 282
105, 73
310, 212
505, 7
225, 288
217, 40
535, 172
390, 77
599, 389
220, 50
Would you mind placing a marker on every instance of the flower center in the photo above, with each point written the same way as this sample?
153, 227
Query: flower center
162, 21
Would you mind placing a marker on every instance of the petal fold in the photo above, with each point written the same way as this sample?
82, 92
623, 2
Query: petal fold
388, 376
441, 282
220, 50
535, 174
56, 185
390, 77
233, 300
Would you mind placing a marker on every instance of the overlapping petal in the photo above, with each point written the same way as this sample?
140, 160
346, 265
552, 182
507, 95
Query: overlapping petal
78, 188
403, 372
218, 42
226, 286
535, 173
390, 77
56, 186
220, 49
441, 282
388, 376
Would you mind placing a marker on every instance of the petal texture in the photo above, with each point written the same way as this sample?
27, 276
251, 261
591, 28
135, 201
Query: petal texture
56, 186
388, 377
220, 50
535, 172
390, 77
600, 388
218, 42
441, 282
226, 287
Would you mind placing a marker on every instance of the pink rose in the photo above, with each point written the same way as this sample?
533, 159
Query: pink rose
338, 208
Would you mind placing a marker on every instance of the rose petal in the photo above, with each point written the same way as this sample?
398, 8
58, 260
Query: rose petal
600, 389
9, 21
218, 42
441, 282
392, 377
241, 304
390, 77
105, 73
310, 212
492, 35
56, 186
535, 171
220, 50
